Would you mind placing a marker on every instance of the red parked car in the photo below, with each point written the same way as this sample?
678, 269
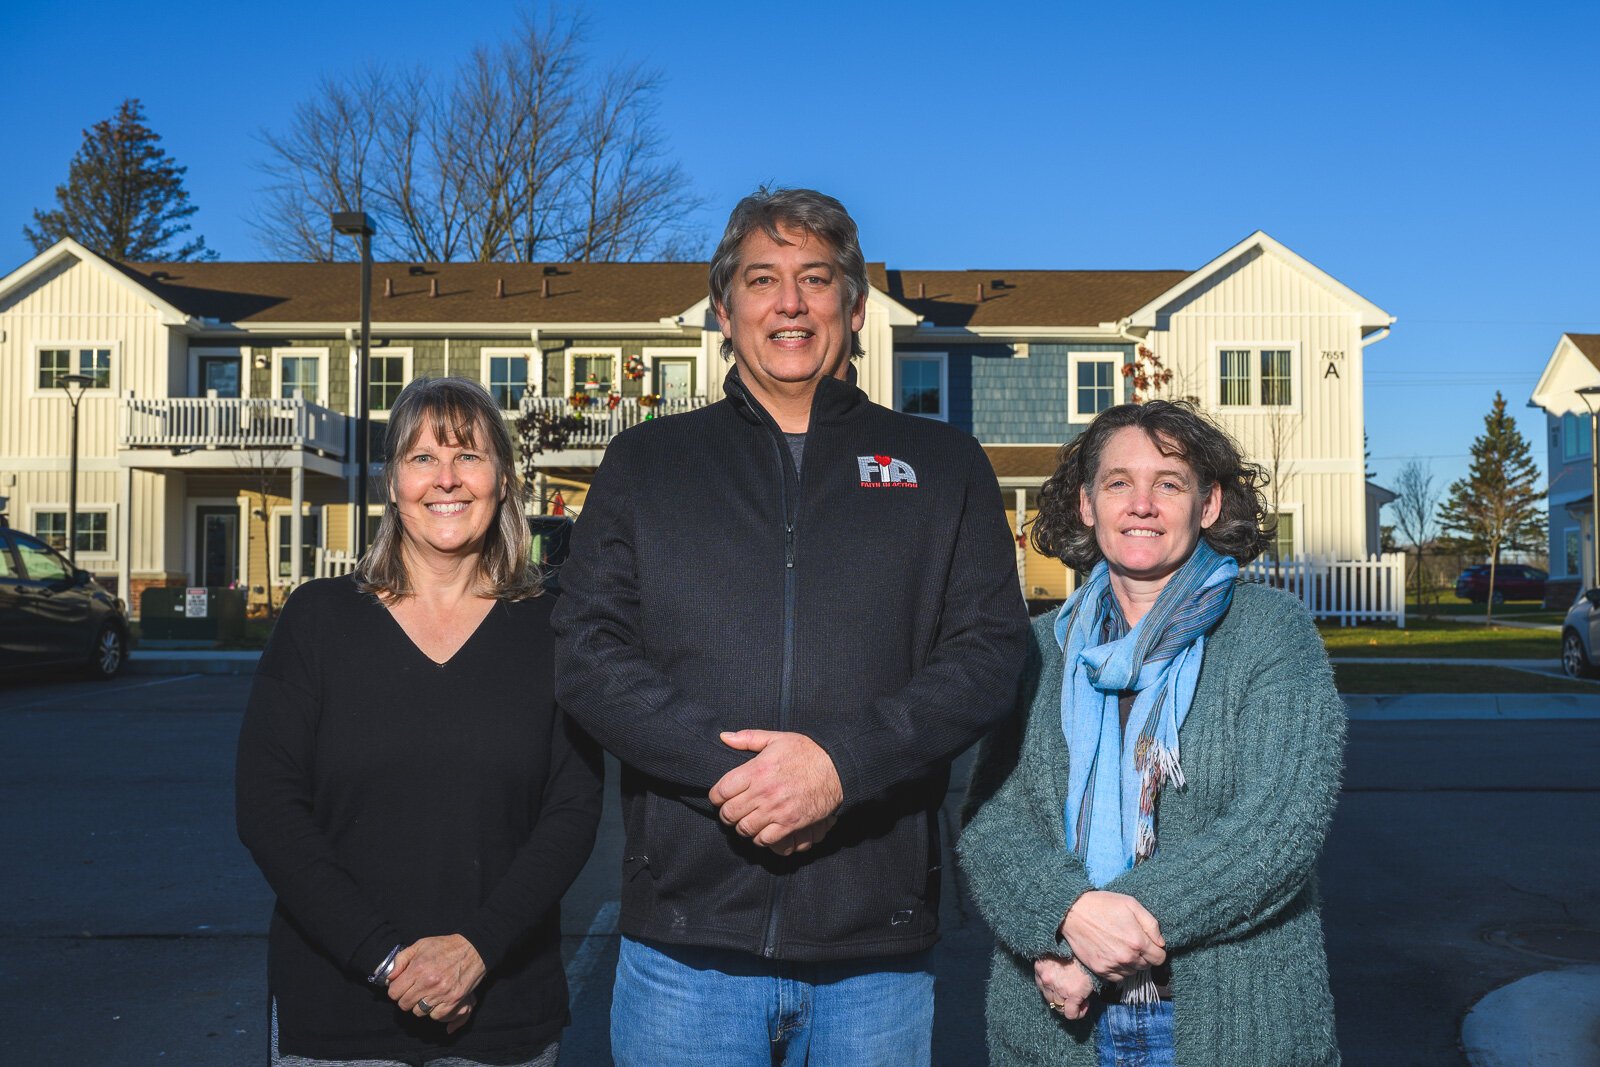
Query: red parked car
1512, 581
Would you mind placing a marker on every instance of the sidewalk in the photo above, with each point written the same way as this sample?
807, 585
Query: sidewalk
190, 661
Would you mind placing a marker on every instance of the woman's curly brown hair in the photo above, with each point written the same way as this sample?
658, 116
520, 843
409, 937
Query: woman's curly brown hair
1243, 529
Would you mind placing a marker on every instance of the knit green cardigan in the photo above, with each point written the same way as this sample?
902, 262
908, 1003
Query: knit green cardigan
1233, 882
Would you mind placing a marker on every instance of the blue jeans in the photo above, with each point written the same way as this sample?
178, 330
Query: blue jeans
683, 1006
1135, 1035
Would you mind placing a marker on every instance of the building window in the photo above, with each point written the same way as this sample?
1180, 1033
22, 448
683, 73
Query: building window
1574, 552
507, 377
56, 363
386, 376
1282, 547
921, 383
1575, 434
594, 372
94, 530
1093, 384
310, 531
302, 372
1255, 377
1276, 390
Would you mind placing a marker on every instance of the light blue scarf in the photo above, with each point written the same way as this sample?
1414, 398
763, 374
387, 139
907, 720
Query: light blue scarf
1115, 776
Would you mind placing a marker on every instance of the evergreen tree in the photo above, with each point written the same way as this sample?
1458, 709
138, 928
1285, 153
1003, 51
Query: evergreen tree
1497, 505
124, 196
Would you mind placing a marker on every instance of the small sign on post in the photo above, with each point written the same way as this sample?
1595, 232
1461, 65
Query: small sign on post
194, 602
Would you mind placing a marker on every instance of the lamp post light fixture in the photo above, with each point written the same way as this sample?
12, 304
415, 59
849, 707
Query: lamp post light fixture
73, 385
1590, 395
359, 224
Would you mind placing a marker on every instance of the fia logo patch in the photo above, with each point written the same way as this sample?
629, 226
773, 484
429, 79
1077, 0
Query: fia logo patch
886, 472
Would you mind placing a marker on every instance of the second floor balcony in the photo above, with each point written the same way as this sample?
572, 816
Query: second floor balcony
598, 421
225, 431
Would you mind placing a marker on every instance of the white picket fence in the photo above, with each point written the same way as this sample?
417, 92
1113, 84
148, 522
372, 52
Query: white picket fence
334, 564
1346, 590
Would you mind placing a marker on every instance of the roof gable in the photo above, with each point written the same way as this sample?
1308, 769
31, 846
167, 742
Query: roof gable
67, 251
1372, 316
1573, 365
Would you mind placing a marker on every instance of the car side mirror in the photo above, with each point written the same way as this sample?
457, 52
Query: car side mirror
81, 577
1593, 597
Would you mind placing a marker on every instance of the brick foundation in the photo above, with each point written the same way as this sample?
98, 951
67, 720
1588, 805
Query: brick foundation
138, 583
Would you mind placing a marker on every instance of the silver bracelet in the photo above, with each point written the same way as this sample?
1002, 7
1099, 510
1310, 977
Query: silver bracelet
380, 977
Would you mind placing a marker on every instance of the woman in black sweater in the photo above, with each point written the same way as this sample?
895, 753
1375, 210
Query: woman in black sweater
405, 781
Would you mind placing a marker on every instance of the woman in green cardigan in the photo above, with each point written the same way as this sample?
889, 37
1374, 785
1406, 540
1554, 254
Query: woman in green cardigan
1142, 837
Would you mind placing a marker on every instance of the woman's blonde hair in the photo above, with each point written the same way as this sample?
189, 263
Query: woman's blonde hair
457, 410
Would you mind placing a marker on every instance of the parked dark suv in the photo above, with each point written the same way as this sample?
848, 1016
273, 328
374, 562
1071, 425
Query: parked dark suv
53, 614
1512, 581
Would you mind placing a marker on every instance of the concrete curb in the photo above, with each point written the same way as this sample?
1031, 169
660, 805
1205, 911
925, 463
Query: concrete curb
1548, 1018
1424, 706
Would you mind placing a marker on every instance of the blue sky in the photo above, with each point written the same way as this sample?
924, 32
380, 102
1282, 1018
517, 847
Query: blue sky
1441, 159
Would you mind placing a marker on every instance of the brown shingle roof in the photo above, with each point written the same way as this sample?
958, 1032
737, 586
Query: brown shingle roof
1028, 297
1023, 461
467, 292
1588, 344
329, 292
614, 292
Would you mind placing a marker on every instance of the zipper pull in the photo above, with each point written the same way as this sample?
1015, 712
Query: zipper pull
788, 545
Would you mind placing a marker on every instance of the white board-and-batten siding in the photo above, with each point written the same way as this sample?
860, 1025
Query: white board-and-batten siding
1325, 483
80, 305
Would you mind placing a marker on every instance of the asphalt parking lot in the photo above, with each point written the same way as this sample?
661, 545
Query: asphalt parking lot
134, 921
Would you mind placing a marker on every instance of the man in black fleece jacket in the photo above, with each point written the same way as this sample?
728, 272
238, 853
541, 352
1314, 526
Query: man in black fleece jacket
786, 613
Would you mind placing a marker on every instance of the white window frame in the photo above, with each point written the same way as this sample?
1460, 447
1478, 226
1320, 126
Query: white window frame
1078, 359
1299, 539
652, 353
293, 352
1297, 378
76, 346
1579, 422
569, 355
943, 359
110, 512
405, 377
239, 352
276, 541
533, 357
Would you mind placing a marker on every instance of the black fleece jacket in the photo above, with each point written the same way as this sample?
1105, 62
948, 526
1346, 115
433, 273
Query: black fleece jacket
871, 604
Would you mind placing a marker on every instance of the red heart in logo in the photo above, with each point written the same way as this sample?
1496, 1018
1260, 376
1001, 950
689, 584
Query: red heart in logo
884, 461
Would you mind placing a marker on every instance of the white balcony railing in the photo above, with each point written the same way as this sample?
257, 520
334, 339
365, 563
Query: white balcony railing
228, 422
602, 422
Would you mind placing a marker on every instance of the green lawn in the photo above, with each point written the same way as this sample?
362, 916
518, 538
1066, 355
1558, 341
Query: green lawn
1427, 678
1439, 638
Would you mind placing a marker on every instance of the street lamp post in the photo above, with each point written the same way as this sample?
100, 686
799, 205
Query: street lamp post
1589, 394
353, 224
73, 385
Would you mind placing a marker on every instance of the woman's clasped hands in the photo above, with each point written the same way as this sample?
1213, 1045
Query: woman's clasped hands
1113, 935
435, 978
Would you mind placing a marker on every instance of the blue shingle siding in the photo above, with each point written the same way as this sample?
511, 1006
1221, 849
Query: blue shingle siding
1003, 400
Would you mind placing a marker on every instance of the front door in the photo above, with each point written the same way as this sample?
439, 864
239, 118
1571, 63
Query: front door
220, 373
675, 378
216, 545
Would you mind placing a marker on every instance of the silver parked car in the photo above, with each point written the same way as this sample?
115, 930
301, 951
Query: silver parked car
1578, 634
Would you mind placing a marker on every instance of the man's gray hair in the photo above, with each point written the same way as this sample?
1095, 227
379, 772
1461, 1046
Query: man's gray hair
816, 214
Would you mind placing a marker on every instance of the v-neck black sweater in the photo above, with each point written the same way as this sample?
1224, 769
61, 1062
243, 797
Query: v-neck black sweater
388, 798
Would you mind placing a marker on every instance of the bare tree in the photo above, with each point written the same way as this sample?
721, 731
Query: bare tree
1415, 510
524, 152
1280, 427
262, 466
